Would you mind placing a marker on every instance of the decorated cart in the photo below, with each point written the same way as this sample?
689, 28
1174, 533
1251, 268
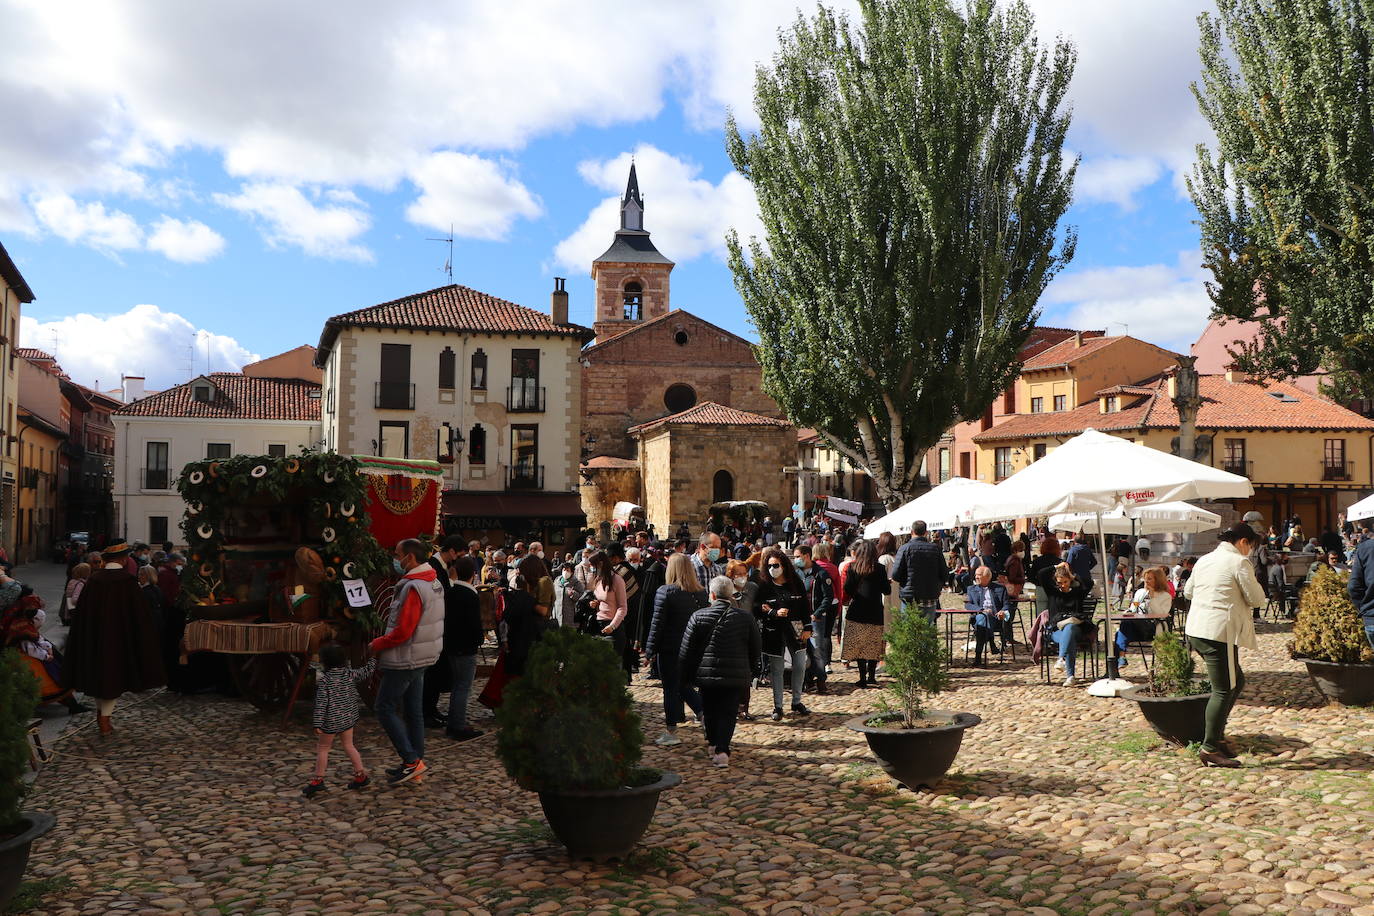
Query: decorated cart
285, 554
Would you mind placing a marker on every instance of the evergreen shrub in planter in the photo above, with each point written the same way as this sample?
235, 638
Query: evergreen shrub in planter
18, 829
915, 745
1174, 702
1329, 639
569, 732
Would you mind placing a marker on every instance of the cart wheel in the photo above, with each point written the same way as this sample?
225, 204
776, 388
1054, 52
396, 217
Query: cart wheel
266, 680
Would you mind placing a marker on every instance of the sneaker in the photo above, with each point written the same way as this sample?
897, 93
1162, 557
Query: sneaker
720, 760
1121, 662
359, 780
971, 645
315, 787
413, 771
1070, 681
1059, 664
464, 734
800, 709
393, 772
667, 739
777, 713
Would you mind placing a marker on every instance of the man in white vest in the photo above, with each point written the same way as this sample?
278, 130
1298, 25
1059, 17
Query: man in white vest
413, 639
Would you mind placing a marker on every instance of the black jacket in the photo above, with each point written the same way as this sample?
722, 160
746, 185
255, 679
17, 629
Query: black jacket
721, 647
920, 569
1066, 604
782, 633
673, 607
523, 627
462, 620
865, 594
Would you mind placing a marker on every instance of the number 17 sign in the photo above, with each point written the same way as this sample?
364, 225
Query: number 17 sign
356, 590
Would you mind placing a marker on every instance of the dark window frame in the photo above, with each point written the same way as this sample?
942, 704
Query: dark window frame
381, 436
448, 369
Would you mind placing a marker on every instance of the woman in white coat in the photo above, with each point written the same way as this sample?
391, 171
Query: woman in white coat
1223, 592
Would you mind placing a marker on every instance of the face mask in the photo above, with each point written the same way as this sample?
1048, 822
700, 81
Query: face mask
740, 581
799, 563
396, 565
713, 554
540, 554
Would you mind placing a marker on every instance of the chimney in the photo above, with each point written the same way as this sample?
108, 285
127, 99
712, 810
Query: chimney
558, 301
133, 388
1235, 376
1077, 339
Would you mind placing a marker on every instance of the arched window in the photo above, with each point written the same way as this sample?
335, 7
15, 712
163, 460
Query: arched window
722, 487
477, 445
634, 301
679, 397
448, 369
479, 370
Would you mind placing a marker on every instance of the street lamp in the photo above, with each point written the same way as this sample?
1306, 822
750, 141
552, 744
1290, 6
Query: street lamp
449, 445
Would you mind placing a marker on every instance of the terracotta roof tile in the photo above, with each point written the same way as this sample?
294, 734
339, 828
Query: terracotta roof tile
238, 397
449, 308
31, 353
1067, 351
1225, 405
709, 413
604, 462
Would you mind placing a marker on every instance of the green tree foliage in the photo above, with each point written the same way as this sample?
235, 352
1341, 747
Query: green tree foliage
915, 661
569, 722
1328, 627
910, 178
1287, 199
1172, 675
18, 698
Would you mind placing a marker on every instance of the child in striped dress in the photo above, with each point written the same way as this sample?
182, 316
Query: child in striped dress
336, 712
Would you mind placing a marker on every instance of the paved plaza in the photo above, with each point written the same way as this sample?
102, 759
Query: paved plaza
1059, 803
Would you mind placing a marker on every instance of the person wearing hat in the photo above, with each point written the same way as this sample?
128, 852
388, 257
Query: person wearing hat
1223, 592
114, 643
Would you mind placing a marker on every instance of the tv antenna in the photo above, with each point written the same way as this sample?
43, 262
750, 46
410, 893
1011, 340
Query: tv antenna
448, 264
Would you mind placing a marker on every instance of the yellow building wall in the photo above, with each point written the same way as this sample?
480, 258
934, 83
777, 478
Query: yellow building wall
1122, 362
37, 521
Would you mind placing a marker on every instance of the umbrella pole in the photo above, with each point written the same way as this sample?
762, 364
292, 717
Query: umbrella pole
1133, 553
1106, 597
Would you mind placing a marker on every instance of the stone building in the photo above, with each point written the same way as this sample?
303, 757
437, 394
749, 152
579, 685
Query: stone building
651, 362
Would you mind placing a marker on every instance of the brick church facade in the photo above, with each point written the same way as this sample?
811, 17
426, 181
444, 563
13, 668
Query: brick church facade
651, 362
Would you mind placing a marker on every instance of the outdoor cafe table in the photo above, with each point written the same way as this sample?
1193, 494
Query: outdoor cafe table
1109, 642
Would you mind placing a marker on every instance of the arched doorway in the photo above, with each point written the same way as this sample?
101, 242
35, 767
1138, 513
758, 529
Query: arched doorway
722, 487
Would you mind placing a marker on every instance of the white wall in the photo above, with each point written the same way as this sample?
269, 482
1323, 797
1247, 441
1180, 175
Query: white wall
187, 440
354, 366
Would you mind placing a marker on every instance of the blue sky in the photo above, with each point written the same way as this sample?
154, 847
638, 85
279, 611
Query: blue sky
178, 181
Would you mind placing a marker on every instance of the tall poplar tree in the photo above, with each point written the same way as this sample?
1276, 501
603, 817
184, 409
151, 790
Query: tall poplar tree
1287, 199
910, 176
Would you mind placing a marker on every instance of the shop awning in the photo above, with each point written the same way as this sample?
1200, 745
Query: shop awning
514, 510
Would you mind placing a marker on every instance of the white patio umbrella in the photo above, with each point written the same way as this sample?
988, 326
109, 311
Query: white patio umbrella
1097, 473
1159, 518
938, 508
1362, 509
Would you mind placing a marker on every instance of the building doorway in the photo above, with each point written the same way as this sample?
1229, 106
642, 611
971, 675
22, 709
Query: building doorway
722, 487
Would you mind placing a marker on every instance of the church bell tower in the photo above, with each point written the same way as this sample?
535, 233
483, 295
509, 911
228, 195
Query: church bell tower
631, 276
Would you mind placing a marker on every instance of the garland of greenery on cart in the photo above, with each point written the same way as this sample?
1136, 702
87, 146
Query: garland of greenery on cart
336, 498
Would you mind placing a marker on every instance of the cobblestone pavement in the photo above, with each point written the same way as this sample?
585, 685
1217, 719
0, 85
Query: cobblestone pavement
1059, 803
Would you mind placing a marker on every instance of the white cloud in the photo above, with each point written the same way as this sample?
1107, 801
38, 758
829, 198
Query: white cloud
187, 242
87, 224
687, 214
328, 229
475, 196
163, 347
1165, 304
1115, 179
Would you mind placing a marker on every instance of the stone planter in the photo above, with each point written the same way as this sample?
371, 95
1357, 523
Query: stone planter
1178, 720
917, 756
14, 852
1347, 685
601, 824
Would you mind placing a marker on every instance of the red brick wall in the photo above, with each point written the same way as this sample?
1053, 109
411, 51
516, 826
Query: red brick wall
610, 289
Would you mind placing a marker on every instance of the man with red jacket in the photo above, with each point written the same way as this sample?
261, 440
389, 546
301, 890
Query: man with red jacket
413, 639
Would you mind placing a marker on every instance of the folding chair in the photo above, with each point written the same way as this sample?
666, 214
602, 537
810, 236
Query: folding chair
1086, 659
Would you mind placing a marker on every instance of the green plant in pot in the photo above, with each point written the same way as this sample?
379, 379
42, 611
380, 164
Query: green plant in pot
1328, 637
915, 745
569, 732
18, 828
1174, 702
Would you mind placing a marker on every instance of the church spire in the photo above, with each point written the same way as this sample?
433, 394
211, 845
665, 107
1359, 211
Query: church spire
632, 205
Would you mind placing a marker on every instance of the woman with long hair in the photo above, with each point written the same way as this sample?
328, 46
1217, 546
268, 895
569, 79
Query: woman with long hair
1067, 618
680, 596
784, 612
887, 555
1153, 597
609, 591
537, 582
866, 585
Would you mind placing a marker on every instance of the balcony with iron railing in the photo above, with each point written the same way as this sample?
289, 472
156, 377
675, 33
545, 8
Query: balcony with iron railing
1337, 470
394, 396
1239, 466
525, 477
156, 479
524, 399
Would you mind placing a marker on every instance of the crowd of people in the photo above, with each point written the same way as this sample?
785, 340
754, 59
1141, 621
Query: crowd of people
711, 619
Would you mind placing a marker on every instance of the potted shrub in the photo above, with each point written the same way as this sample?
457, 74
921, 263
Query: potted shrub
1173, 702
915, 745
18, 829
1329, 639
569, 732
